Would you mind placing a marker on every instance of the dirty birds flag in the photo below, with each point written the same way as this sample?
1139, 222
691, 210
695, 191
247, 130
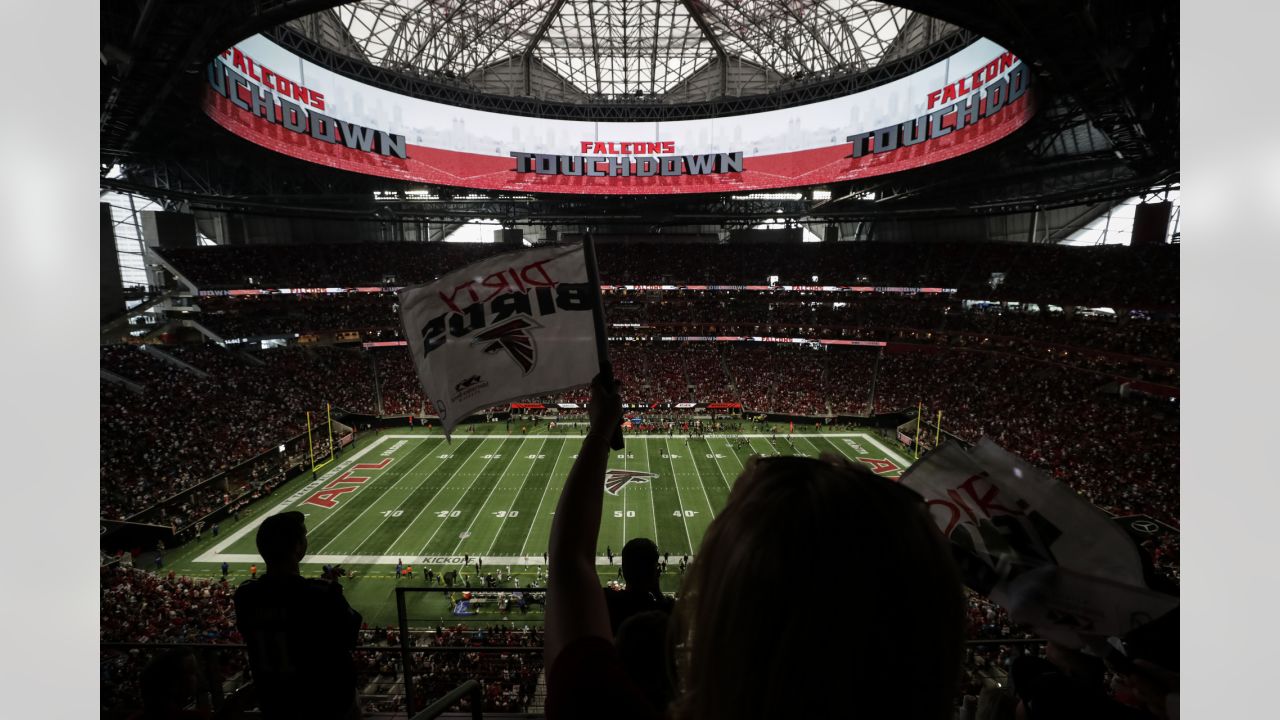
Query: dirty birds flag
502, 329
1028, 542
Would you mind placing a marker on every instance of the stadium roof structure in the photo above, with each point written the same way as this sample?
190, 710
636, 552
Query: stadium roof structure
1106, 79
616, 48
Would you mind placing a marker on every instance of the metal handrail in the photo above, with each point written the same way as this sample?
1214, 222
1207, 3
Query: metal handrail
470, 687
454, 648
358, 648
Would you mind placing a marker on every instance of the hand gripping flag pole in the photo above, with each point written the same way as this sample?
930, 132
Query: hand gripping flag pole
602, 339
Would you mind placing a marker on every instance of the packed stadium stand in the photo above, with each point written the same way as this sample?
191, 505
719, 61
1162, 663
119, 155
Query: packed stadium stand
864, 234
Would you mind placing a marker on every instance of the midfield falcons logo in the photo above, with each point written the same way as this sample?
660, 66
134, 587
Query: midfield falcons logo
615, 480
513, 337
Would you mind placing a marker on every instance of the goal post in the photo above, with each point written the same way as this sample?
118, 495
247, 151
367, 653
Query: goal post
326, 456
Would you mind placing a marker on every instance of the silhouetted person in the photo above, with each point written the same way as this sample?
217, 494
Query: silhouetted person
642, 646
172, 682
640, 570
169, 683
300, 631
903, 663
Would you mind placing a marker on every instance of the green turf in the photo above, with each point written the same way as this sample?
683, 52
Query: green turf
490, 493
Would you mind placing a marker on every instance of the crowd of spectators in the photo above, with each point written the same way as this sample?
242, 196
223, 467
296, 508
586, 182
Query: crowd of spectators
1037, 381
987, 665
1022, 372
285, 315
509, 678
1131, 344
137, 606
706, 372
1043, 408
184, 428
850, 374
1114, 276
130, 364
666, 381
398, 386
778, 378
1120, 453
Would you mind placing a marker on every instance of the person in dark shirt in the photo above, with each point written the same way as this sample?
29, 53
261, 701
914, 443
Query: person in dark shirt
640, 570
300, 631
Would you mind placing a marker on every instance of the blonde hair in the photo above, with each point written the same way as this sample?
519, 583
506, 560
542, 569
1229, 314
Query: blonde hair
751, 641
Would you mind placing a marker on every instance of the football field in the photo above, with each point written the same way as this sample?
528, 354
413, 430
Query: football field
416, 498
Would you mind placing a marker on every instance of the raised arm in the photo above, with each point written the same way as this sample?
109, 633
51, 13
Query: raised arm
575, 603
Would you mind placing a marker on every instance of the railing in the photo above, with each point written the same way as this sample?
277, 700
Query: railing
222, 692
437, 708
390, 696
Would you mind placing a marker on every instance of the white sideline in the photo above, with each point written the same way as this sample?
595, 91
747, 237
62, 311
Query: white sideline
635, 436
216, 554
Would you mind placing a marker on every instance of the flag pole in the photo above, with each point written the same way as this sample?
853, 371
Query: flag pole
602, 339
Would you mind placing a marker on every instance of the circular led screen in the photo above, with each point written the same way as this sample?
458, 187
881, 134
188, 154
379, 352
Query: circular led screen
269, 96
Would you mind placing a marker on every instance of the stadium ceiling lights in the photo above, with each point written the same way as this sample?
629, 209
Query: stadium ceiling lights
614, 48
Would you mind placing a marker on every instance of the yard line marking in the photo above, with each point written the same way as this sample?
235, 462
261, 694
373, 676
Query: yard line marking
725, 478
484, 504
751, 443
460, 497
645, 437
703, 484
683, 519
733, 453
356, 519
515, 497
902, 463
625, 453
818, 450
443, 485
653, 509
433, 496
524, 546
354, 560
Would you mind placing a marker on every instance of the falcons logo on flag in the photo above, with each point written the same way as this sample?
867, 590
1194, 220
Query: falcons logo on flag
614, 480
512, 337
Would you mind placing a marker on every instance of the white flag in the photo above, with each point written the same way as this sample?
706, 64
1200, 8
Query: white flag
1027, 541
505, 328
